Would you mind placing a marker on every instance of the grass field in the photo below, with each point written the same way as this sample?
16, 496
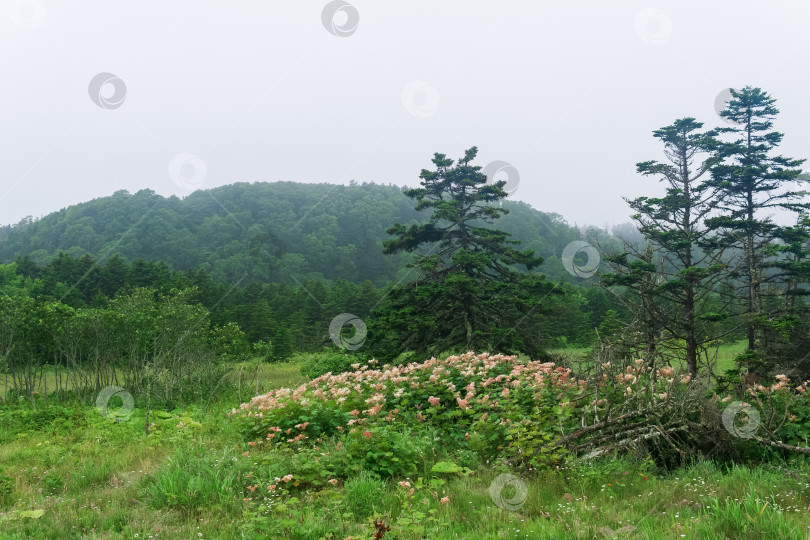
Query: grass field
98, 479
722, 358
68, 472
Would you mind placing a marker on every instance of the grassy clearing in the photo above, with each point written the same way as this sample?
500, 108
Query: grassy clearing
110, 481
722, 362
67, 472
268, 375
262, 376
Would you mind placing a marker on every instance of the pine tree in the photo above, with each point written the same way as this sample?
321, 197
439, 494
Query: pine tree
282, 344
786, 331
468, 293
674, 225
753, 183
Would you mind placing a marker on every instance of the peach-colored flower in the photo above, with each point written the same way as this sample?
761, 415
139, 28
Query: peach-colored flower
333, 481
444, 500
433, 400
367, 434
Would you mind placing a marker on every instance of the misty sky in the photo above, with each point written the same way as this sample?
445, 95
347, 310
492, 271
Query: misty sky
566, 92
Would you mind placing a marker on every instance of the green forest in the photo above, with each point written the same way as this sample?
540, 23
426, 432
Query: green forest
261, 232
270, 258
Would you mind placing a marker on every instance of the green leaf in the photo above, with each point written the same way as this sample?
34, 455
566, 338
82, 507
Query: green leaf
33, 514
446, 467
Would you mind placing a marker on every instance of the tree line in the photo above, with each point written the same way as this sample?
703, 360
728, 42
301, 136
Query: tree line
266, 232
713, 264
715, 252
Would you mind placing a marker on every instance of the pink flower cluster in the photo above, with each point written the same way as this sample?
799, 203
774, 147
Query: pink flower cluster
487, 379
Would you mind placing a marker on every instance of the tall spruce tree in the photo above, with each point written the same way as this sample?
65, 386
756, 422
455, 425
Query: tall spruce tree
673, 224
470, 292
753, 183
786, 331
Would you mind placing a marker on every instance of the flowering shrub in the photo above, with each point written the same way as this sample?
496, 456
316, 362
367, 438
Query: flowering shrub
500, 406
779, 412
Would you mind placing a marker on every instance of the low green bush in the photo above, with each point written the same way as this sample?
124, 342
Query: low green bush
6, 489
52, 419
314, 365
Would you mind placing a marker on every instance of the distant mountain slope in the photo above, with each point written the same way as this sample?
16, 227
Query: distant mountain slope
262, 231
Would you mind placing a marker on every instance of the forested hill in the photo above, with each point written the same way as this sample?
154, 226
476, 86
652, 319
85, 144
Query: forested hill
262, 231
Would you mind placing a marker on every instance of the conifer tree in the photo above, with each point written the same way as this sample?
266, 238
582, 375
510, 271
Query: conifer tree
753, 183
473, 290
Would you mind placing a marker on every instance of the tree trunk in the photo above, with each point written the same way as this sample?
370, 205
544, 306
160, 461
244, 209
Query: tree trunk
689, 327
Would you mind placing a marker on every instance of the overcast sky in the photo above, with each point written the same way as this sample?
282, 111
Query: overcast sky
203, 93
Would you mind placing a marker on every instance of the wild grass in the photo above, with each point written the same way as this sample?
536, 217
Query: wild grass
101, 479
108, 481
721, 360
